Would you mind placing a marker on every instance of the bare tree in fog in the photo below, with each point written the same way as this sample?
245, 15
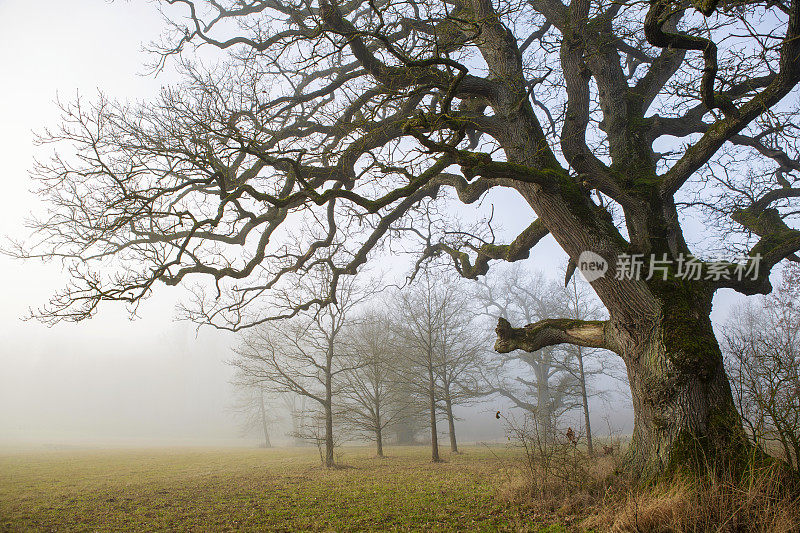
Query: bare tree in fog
762, 349
442, 347
417, 318
303, 356
295, 405
411, 421
372, 396
460, 351
583, 306
552, 380
534, 381
256, 404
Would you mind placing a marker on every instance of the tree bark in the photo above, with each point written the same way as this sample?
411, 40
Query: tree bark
451, 424
432, 407
379, 441
684, 414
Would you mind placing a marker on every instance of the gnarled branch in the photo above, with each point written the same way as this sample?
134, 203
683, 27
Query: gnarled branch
591, 333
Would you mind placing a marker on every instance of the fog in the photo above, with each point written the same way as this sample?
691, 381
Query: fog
147, 379
166, 388
110, 380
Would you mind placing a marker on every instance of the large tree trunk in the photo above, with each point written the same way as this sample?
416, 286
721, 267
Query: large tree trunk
684, 411
379, 441
432, 407
684, 414
451, 424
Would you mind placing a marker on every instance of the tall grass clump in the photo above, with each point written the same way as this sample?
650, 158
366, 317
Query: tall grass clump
762, 501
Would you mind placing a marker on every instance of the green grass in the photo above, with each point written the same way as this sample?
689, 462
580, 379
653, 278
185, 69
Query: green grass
243, 489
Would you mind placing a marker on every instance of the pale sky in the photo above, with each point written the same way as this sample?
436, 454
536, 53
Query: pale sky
108, 378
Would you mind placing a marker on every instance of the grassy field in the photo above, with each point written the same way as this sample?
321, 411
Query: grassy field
243, 489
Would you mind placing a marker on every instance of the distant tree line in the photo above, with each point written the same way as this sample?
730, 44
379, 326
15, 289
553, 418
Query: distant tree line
396, 365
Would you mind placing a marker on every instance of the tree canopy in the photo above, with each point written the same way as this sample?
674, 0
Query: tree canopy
340, 119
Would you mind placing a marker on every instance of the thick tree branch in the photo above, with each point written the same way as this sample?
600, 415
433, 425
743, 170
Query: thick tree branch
777, 242
518, 250
658, 17
786, 79
549, 332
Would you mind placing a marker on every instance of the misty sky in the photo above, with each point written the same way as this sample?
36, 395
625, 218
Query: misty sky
110, 379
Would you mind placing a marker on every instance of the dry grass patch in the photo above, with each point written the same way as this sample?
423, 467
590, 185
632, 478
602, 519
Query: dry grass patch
761, 503
565, 485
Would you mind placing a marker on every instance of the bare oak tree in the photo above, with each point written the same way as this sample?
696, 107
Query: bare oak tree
304, 356
588, 362
459, 352
256, 405
295, 405
373, 397
330, 122
417, 320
